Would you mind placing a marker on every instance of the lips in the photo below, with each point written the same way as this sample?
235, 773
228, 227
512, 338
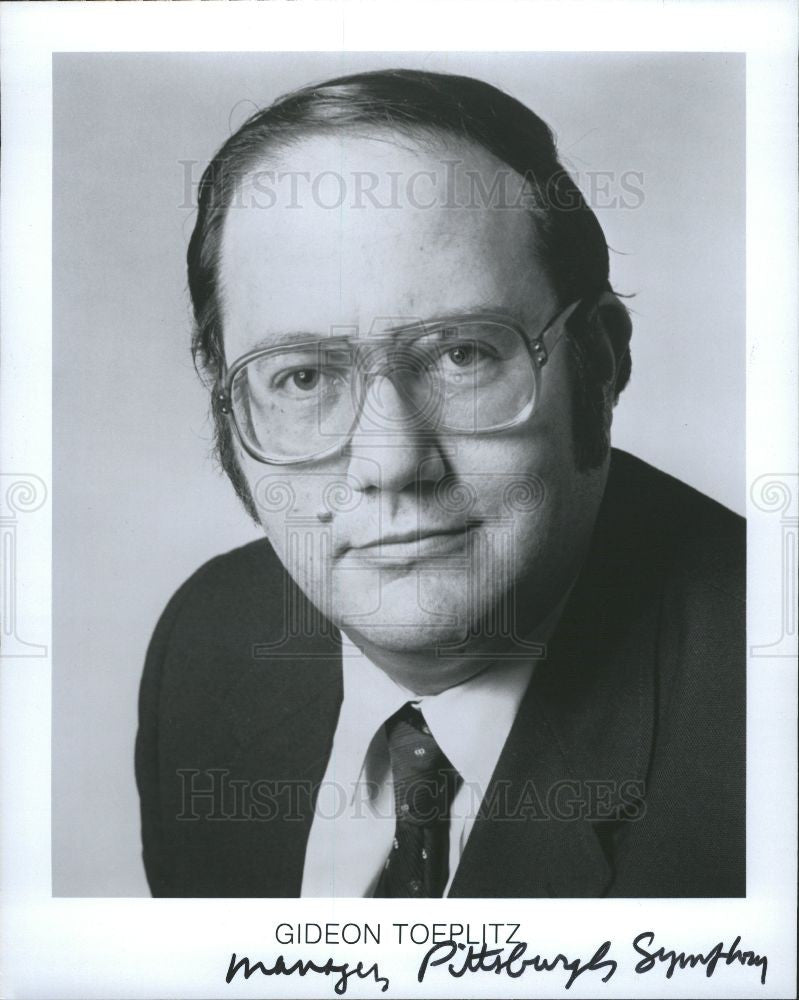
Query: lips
409, 545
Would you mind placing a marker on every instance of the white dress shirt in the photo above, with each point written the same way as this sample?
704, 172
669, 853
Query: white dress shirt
353, 826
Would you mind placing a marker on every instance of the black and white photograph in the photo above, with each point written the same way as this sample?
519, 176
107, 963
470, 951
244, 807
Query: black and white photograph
476, 641
404, 519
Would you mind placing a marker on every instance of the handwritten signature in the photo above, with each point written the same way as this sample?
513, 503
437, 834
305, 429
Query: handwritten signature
485, 959
461, 959
710, 959
303, 967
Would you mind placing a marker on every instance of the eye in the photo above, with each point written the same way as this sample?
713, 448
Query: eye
309, 381
461, 355
305, 378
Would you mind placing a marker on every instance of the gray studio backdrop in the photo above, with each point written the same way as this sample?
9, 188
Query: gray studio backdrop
138, 504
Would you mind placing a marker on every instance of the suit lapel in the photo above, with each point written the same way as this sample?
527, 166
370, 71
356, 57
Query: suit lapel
518, 845
582, 739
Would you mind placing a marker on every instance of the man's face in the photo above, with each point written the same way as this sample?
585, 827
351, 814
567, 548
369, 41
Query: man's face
408, 536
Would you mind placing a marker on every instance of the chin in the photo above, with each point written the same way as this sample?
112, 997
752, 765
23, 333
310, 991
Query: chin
402, 612
395, 638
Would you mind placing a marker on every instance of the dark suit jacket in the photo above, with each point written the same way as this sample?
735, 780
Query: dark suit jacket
623, 774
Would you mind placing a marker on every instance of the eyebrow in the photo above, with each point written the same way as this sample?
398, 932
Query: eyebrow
291, 337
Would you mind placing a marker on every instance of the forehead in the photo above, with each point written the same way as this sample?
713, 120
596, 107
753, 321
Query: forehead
342, 230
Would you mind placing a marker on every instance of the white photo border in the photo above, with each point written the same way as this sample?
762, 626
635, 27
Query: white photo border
180, 948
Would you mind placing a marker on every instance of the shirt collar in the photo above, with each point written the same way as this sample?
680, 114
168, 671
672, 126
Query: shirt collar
370, 697
470, 722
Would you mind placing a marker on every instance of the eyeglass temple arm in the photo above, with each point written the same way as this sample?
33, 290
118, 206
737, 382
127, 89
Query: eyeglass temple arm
547, 340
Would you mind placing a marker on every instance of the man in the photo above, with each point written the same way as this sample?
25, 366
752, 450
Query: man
479, 653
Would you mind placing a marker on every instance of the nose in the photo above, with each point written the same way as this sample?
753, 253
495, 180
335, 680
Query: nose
392, 448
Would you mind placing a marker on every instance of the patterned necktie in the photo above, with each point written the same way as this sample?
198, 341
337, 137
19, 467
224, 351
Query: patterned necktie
424, 786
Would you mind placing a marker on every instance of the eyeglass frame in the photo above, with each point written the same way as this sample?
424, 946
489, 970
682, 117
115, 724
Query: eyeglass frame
539, 349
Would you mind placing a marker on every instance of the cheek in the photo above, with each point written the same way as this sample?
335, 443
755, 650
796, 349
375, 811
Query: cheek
514, 476
525, 493
292, 507
294, 495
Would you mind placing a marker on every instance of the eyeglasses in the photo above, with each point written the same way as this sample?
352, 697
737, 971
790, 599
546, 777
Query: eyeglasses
462, 375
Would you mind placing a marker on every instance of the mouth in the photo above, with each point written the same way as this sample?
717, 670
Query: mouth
406, 547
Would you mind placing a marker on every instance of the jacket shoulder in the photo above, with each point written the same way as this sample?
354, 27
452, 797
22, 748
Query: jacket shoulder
228, 590
226, 579
200, 650
686, 556
690, 537
211, 622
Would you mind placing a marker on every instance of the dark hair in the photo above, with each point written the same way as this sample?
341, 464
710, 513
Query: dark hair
569, 240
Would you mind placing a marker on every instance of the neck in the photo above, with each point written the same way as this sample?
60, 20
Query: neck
432, 669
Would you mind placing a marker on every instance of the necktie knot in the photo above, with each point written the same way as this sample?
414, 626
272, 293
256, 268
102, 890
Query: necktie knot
424, 779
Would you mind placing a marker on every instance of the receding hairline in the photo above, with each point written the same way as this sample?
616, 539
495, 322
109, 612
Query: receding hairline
453, 148
275, 150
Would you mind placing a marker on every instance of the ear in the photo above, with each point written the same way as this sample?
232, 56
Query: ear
613, 325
